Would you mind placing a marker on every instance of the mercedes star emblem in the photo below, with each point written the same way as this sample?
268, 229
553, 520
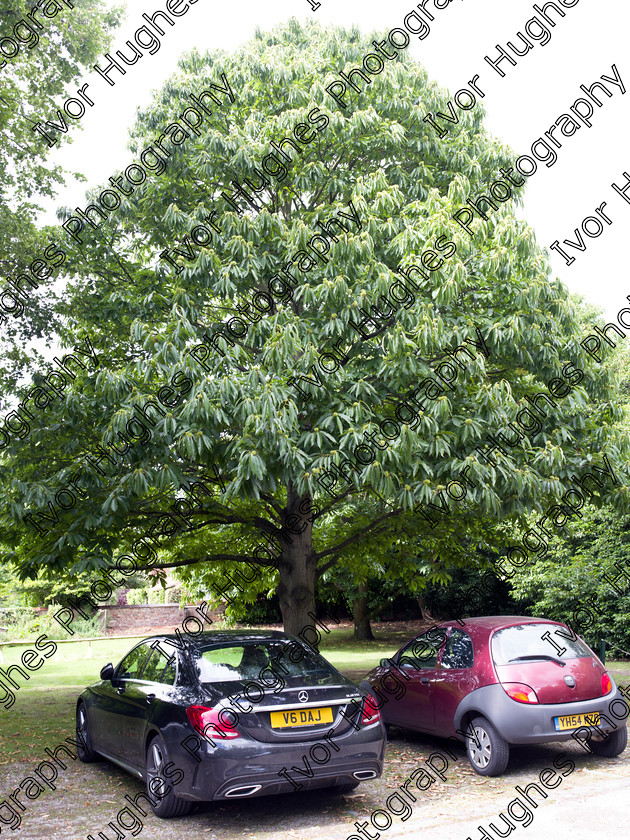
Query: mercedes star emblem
303, 696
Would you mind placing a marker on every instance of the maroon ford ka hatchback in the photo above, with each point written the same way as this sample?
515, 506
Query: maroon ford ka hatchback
501, 680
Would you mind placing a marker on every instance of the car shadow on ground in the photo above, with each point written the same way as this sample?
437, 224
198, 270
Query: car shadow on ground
406, 751
90, 796
525, 760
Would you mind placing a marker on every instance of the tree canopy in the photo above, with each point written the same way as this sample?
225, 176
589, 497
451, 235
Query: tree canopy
52, 54
584, 578
236, 419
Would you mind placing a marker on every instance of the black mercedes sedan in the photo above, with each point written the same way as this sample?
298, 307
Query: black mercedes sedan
227, 714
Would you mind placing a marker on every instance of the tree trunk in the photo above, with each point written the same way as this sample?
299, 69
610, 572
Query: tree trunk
362, 628
296, 584
426, 615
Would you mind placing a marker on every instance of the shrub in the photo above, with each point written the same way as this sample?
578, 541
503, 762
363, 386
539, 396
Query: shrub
137, 596
580, 566
24, 623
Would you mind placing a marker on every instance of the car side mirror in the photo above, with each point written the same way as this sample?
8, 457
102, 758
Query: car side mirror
385, 663
107, 672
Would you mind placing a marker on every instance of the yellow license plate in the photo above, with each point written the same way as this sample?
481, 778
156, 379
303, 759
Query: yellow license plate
301, 717
573, 721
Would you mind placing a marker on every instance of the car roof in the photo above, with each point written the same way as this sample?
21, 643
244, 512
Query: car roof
221, 636
491, 622
484, 626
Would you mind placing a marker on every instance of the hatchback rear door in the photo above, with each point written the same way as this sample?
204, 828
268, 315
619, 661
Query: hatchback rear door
549, 658
282, 691
303, 712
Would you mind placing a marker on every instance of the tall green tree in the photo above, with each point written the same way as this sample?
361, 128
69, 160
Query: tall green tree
584, 578
258, 441
52, 55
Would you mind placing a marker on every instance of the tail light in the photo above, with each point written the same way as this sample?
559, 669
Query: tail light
520, 692
371, 714
213, 723
606, 683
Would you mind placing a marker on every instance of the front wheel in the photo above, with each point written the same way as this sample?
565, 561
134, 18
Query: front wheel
613, 745
84, 739
164, 803
488, 752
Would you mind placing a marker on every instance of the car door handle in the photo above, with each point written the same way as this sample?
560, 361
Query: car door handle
150, 698
424, 679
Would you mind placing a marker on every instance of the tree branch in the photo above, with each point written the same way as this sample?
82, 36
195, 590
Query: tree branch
373, 526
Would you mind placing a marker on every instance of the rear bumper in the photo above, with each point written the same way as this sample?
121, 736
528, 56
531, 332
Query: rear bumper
246, 768
265, 784
521, 723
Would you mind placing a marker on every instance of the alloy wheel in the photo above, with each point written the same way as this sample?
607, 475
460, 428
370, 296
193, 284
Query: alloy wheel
155, 765
480, 747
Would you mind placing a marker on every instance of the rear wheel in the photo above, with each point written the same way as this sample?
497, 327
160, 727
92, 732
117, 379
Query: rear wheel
488, 752
167, 804
614, 745
84, 740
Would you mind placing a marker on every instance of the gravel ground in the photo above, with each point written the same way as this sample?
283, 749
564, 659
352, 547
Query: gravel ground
587, 804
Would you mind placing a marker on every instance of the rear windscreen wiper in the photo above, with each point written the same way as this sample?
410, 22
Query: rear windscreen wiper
540, 656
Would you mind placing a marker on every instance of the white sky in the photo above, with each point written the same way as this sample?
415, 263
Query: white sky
521, 107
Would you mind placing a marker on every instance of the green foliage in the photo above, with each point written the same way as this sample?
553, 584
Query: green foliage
137, 596
573, 574
33, 85
167, 595
25, 623
468, 595
242, 414
262, 611
44, 590
152, 593
387, 594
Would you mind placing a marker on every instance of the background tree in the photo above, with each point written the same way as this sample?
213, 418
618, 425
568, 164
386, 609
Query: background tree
591, 563
242, 418
554, 585
588, 561
43, 591
33, 85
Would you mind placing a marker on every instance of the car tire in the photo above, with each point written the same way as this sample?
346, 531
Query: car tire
488, 752
169, 805
84, 739
347, 788
614, 745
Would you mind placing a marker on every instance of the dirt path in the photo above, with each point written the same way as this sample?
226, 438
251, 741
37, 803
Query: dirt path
587, 804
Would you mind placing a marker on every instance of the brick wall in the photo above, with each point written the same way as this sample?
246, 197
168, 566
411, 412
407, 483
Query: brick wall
130, 619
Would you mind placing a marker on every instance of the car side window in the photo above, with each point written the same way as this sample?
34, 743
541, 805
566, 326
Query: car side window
422, 652
169, 673
458, 651
160, 668
131, 666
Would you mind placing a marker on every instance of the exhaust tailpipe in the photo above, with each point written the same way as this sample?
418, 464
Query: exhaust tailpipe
243, 790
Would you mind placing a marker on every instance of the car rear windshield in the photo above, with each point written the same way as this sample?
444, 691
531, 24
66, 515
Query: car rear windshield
514, 645
250, 660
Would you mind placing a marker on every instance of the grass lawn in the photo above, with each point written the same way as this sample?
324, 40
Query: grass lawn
43, 712
79, 663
